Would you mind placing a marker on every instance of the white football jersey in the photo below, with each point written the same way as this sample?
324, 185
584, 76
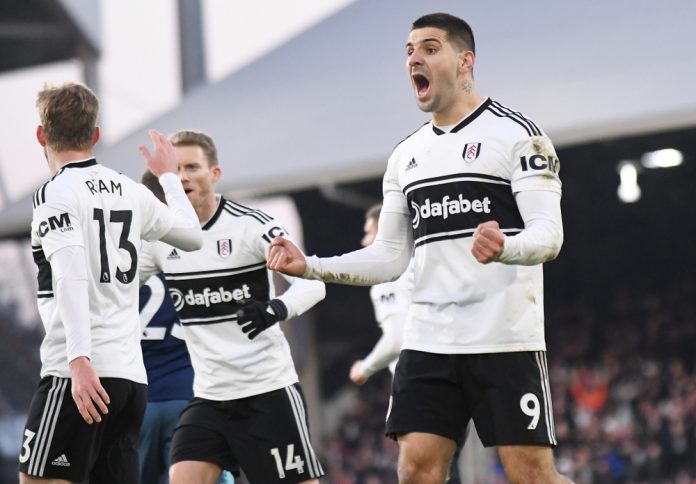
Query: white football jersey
391, 301
449, 183
206, 286
86, 204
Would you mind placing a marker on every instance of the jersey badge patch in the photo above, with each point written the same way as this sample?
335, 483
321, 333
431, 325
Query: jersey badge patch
471, 151
224, 247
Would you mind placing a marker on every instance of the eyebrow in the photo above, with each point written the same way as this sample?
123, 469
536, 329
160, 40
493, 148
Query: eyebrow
428, 39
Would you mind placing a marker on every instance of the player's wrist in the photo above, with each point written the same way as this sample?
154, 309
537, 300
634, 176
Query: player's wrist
279, 309
79, 362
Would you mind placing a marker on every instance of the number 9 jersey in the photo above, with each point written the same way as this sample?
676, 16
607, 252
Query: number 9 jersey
90, 206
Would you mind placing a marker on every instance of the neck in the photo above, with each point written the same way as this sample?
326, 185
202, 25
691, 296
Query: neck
206, 210
58, 159
455, 111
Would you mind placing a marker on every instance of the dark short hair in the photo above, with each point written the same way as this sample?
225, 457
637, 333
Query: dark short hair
373, 212
152, 182
189, 137
458, 31
68, 115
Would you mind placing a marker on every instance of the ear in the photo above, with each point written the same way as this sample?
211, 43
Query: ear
217, 173
96, 135
40, 135
467, 59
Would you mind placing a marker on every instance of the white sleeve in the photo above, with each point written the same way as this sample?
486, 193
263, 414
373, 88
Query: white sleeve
542, 237
147, 262
184, 229
387, 348
71, 293
302, 295
385, 260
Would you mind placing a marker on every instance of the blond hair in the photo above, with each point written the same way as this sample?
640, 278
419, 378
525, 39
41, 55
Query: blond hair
68, 115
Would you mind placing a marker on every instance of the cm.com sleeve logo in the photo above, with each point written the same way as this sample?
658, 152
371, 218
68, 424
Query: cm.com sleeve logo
60, 222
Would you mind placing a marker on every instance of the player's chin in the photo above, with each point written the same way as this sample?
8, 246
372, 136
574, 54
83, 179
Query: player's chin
425, 104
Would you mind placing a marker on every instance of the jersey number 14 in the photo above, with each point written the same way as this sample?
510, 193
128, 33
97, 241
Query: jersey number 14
292, 461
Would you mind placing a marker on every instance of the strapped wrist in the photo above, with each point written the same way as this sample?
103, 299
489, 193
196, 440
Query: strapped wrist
279, 308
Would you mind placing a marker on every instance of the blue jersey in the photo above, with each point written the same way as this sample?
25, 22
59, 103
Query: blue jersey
167, 361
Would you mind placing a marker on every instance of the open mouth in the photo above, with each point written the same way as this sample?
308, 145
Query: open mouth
187, 191
421, 83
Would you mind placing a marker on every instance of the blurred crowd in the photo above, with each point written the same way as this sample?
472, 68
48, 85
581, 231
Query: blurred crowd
624, 385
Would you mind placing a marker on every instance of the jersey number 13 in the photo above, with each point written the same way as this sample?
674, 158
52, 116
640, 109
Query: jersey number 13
123, 217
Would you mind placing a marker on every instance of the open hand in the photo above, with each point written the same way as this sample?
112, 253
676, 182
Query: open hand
163, 159
87, 390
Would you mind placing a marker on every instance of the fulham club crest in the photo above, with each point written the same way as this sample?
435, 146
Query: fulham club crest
471, 151
224, 247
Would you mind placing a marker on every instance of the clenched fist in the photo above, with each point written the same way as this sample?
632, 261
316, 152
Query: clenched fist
489, 241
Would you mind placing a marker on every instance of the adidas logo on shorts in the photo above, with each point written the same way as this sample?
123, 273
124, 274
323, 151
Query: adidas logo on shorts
173, 255
61, 460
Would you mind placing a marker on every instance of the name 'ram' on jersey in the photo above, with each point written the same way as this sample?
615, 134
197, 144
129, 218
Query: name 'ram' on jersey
87, 204
206, 287
451, 181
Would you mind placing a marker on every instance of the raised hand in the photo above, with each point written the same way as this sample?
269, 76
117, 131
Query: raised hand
163, 159
286, 257
489, 241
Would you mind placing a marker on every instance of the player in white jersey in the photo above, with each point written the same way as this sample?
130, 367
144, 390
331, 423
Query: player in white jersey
476, 192
87, 227
248, 410
390, 301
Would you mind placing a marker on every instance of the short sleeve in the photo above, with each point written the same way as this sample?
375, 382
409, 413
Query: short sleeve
535, 165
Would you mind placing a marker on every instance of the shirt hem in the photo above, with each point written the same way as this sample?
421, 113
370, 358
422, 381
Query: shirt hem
129, 377
450, 350
249, 393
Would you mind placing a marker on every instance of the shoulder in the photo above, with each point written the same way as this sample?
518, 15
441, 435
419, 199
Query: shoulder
57, 189
513, 123
413, 137
245, 214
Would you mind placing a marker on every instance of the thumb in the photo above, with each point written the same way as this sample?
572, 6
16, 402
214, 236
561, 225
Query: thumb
244, 305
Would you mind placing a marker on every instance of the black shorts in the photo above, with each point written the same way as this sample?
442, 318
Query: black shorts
59, 444
267, 435
506, 394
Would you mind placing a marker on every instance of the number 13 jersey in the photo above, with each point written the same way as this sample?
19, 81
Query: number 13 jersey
88, 205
